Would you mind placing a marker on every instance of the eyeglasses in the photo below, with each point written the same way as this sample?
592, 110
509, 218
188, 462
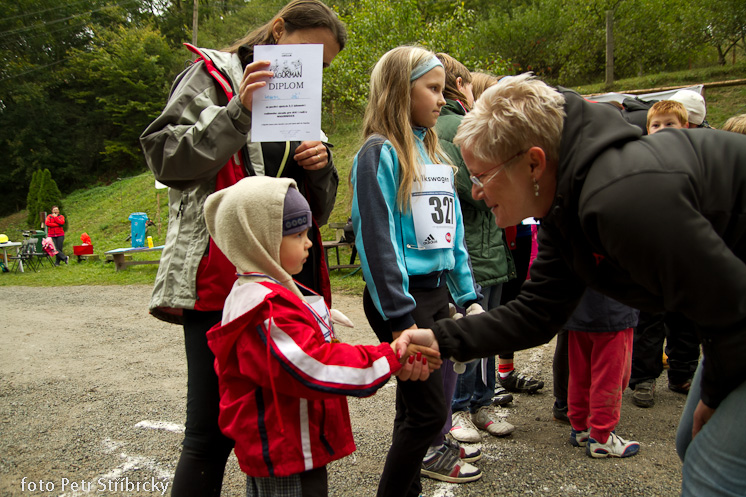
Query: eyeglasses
477, 178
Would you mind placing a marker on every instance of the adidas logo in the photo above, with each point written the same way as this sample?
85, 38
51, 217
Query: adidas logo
429, 240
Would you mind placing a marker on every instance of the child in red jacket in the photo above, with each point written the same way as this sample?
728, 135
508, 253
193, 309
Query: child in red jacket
283, 376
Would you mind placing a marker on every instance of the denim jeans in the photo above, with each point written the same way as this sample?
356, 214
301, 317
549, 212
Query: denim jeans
471, 392
715, 461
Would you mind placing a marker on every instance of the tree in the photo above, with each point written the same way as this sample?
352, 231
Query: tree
376, 27
122, 81
38, 125
527, 35
563, 41
87, 110
723, 24
32, 199
49, 194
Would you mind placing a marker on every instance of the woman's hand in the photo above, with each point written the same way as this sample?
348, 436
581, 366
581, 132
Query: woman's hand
429, 359
416, 366
254, 77
311, 155
415, 337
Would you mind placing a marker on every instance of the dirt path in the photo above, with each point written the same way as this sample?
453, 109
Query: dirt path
92, 396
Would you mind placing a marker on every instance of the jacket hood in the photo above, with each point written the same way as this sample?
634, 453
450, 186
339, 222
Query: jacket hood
245, 221
586, 135
227, 62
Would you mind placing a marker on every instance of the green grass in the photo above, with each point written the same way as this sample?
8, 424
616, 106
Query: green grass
678, 78
102, 211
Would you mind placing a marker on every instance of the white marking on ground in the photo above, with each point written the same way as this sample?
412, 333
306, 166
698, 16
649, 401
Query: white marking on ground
160, 425
531, 360
131, 463
445, 490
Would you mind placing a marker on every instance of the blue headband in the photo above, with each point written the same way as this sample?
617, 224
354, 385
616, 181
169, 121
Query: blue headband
425, 67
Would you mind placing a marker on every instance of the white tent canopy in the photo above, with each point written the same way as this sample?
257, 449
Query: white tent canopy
659, 95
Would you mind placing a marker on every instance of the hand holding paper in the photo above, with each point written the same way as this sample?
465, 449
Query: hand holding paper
255, 76
288, 106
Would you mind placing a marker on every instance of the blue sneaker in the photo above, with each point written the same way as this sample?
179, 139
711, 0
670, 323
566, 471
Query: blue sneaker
579, 438
615, 446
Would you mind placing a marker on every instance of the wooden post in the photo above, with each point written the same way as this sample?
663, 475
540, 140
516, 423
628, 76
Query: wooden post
609, 48
158, 211
195, 18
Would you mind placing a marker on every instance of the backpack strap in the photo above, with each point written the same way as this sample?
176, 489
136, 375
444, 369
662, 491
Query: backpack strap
214, 71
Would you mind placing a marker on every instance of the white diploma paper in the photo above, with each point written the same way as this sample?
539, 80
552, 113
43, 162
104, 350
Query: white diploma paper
288, 108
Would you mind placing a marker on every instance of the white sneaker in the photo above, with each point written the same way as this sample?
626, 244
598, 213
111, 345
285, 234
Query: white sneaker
615, 446
487, 419
463, 429
443, 463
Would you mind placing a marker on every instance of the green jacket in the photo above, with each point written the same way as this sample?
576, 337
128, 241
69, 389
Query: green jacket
491, 259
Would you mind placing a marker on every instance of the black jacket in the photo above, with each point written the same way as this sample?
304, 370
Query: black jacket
656, 222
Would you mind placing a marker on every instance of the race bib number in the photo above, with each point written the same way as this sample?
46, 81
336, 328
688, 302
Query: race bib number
433, 208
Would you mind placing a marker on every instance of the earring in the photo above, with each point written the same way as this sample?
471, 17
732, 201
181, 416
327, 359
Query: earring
536, 188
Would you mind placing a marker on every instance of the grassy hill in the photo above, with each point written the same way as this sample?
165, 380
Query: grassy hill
102, 211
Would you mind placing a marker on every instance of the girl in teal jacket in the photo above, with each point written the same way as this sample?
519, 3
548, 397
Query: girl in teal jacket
410, 237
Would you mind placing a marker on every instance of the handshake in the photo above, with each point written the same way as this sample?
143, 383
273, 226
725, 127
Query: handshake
418, 352
417, 361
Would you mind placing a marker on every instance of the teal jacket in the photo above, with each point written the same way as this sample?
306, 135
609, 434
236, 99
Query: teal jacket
386, 241
491, 259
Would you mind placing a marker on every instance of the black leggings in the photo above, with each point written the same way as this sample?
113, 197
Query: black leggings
682, 348
202, 463
421, 409
58, 242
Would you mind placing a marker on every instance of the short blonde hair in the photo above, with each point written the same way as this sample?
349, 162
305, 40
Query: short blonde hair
736, 124
668, 107
516, 113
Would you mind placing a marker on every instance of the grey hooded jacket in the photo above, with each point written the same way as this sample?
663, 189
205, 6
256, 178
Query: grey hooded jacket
198, 131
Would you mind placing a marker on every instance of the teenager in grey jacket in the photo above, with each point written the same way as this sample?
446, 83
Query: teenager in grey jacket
200, 144
656, 222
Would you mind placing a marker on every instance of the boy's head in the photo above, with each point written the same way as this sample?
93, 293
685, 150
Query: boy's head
296, 220
666, 114
251, 220
736, 124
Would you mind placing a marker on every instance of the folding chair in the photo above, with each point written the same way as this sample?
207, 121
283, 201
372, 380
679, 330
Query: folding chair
25, 255
44, 254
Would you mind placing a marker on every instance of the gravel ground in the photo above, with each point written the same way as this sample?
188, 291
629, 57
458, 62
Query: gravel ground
92, 396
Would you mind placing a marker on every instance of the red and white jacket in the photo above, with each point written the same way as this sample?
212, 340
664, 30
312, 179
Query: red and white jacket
283, 383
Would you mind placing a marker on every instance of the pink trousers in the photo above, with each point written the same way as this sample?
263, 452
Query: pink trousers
600, 365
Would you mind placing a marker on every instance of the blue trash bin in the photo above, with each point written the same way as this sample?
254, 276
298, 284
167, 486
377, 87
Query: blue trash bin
138, 221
